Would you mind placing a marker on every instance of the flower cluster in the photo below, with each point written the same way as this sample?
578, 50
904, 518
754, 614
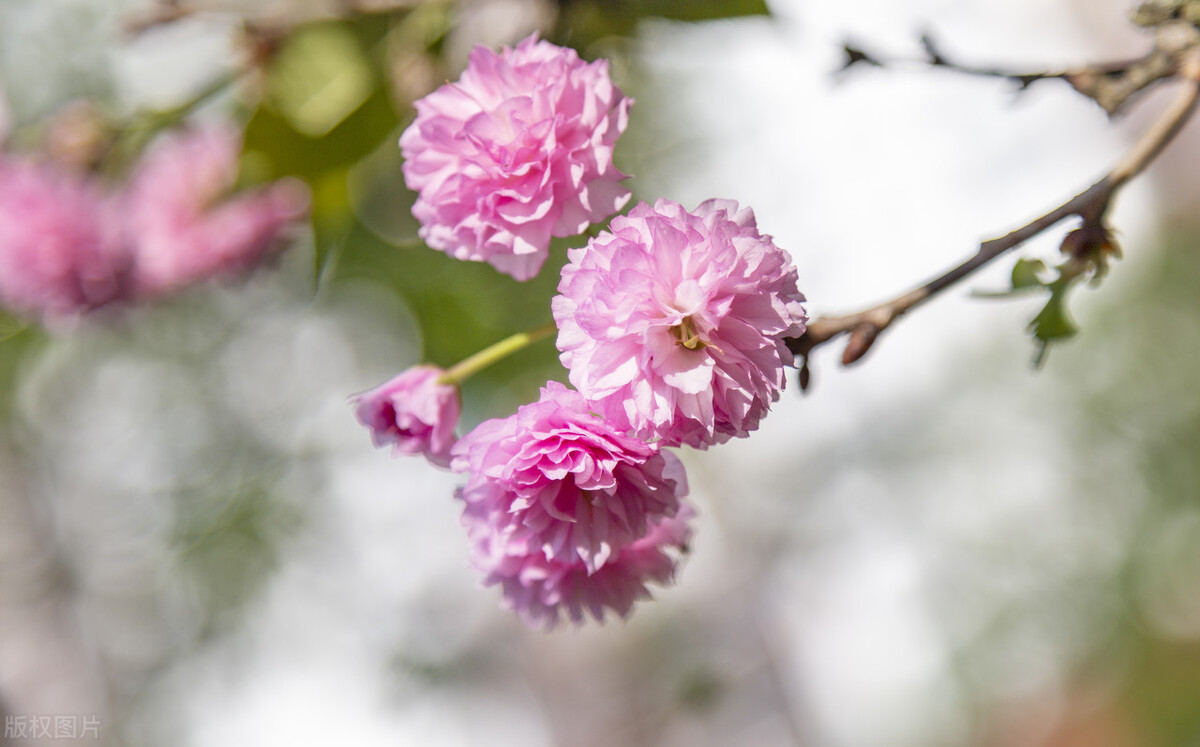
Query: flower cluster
70, 243
672, 325
517, 151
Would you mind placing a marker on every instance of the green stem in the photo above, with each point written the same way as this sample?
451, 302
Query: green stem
489, 355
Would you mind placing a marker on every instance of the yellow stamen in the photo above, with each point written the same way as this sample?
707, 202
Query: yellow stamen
686, 336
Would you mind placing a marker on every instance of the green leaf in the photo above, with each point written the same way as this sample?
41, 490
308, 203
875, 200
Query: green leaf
18, 340
1026, 276
1027, 273
1053, 323
690, 10
318, 78
583, 22
274, 148
461, 308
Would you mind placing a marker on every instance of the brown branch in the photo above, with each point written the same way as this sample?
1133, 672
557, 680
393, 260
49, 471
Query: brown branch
1091, 205
1113, 89
936, 58
1112, 85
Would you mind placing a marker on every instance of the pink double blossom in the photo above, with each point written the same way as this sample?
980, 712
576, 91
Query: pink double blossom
542, 590
567, 514
414, 413
672, 324
179, 223
555, 479
517, 151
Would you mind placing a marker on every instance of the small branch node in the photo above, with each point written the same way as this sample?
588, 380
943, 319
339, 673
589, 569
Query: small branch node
862, 337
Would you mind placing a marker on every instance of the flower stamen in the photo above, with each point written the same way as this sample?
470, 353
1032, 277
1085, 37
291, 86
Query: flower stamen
686, 335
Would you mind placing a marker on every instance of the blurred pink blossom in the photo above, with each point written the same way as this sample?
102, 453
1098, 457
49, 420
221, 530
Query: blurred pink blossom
672, 323
413, 413
60, 253
554, 480
518, 150
70, 242
179, 228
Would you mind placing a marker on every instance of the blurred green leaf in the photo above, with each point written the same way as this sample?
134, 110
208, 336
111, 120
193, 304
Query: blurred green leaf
18, 340
1027, 273
1163, 680
230, 544
277, 149
318, 78
1054, 323
1026, 276
326, 108
691, 10
583, 22
10, 326
461, 308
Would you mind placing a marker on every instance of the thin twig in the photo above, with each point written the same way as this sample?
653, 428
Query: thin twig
936, 58
1112, 85
855, 55
1091, 205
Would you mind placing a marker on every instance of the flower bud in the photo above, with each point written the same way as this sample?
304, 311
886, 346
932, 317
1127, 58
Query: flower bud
414, 413
1092, 245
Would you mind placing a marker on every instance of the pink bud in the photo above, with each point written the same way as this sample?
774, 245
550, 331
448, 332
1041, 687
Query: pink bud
413, 412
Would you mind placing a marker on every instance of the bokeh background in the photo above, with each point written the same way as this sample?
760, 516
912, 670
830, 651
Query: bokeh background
938, 546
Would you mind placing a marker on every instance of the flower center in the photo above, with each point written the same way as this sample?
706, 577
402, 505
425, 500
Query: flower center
686, 336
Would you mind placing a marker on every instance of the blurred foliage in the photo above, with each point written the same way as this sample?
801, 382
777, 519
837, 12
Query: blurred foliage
229, 546
583, 22
326, 108
463, 307
1152, 396
1142, 400
17, 339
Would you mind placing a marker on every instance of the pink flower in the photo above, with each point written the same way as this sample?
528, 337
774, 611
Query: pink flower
178, 227
518, 150
59, 253
555, 480
540, 590
672, 324
413, 412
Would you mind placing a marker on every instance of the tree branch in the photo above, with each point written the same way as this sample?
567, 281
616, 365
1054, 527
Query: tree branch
1112, 85
1091, 205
